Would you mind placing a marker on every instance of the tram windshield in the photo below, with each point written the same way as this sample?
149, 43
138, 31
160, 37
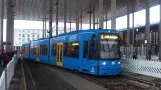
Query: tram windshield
109, 47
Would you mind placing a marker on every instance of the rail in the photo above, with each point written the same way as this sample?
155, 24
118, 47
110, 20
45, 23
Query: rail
7, 74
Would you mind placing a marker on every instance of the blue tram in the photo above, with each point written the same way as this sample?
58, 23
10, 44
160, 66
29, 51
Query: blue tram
95, 52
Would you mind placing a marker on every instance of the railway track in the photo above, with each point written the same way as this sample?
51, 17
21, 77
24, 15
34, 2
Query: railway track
115, 82
109, 82
42, 79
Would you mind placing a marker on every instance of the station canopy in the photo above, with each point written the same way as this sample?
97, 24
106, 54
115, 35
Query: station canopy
35, 10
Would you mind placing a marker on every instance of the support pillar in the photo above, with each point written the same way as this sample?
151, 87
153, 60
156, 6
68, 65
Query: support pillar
113, 14
94, 12
8, 23
57, 2
90, 15
128, 23
160, 34
90, 23
77, 15
12, 27
133, 29
50, 18
65, 15
70, 23
81, 13
43, 29
101, 16
106, 16
77, 24
1, 23
81, 22
147, 28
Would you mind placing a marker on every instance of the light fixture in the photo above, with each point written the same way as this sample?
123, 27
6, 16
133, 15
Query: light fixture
104, 63
118, 62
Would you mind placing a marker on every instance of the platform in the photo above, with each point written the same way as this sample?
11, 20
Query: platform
52, 78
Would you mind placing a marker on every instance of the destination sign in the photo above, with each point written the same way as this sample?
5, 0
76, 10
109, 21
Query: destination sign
109, 37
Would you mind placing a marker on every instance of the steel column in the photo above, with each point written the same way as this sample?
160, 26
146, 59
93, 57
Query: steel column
90, 15
43, 28
94, 12
57, 1
101, 16
70, 23
65, 15
133, 29
77, 24
77, 15
12, 28
8, 22
128, 22
50, 18
113, 14
160, 34
106, 16
1, 23
90, 23
147, 25
81, 22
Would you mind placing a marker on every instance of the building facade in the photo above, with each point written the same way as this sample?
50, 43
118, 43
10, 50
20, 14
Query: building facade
25, 35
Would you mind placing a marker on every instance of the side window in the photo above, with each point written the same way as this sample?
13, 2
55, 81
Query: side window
23, 49
43, 49
33, 50
65, 49
73, 50
85, 49
54, 50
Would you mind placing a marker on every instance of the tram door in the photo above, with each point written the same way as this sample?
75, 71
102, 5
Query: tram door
38, 53
59, 54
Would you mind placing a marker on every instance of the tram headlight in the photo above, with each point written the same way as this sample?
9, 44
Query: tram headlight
104, 63
118, 62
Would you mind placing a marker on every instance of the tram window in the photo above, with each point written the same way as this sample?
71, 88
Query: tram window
23, 50
65, 49
93, 50
33, 50
43, 49
54, 49
85, 49
73, 50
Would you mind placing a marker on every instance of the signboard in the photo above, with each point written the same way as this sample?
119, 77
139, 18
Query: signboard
109, 37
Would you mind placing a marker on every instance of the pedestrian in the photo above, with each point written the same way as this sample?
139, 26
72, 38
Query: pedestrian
149, 53
2, 58
135, 55
7, 59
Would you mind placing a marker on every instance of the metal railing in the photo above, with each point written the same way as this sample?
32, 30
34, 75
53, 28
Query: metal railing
127, 52
8, 73
142, 66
